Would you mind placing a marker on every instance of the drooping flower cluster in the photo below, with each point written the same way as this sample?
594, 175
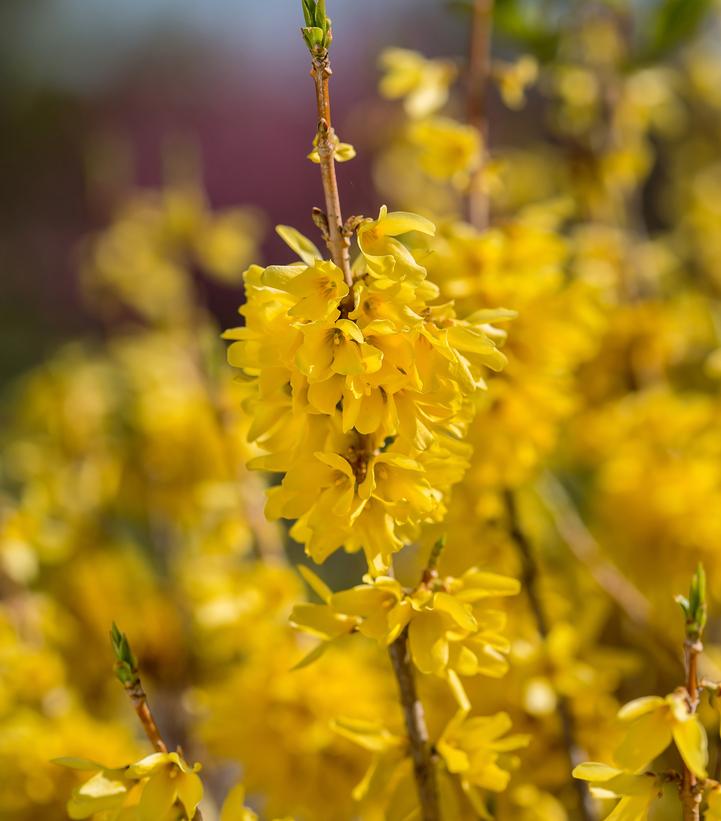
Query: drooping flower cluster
652, 724
160, 786
360, 399
451, 630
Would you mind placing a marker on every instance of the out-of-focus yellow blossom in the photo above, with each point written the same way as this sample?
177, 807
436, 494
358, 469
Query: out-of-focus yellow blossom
143, 259
447, 150
234, 808
370, 402
421, 82
478, 750
531, 804
557, 326
277, 723
653, 723
637, 791
40, 714
653, 461
514, 79
161, 786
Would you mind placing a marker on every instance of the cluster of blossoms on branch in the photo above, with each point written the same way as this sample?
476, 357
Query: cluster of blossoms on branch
361, 396
651, 725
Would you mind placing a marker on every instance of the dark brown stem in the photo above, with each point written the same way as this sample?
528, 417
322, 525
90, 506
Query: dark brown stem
479, 70
690, 796
530, 577
420, 748
338, 242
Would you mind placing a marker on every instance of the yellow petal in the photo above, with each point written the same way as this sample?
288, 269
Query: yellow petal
157, 798
429, 648
631, 809
640, 706
234, 808
691, 741
305, 249
319, 620
190, 792
401, 222
98, 794
595, 771
646, 738
457, 610
316, 584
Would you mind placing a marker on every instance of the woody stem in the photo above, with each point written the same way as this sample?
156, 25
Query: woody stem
337, 241
139, 701
690, 797
420, 748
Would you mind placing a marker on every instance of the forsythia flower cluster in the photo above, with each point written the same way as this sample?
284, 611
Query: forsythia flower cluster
361, 398
450, 629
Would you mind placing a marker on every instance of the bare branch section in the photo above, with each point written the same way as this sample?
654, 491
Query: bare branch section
530, 584
695, 611
326, 141
420, 748
690, 795
479, 71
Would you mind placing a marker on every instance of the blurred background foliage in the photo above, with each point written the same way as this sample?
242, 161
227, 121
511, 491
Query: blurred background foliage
148, 150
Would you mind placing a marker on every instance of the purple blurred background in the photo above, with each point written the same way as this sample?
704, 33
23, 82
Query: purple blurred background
94, 93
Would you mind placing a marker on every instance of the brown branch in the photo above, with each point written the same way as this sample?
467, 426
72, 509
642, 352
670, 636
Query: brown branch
420, 748
479, 70
530, 578
690, 795
326, 141
139, 701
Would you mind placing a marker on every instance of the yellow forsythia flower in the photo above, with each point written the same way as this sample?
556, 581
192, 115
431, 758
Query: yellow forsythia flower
421, 82
342, 152
361, 406
653, 723
637, 791
447, 150
158, 786
449, 627
514, 78
476, 749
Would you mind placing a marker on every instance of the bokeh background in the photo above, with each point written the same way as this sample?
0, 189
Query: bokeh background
100, 98
148, 149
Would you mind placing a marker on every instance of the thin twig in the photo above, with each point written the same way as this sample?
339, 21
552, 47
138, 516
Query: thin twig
128, 674
338, 242
420, 748
139, 700
479, 70
690, 796
572, 529
530, 583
